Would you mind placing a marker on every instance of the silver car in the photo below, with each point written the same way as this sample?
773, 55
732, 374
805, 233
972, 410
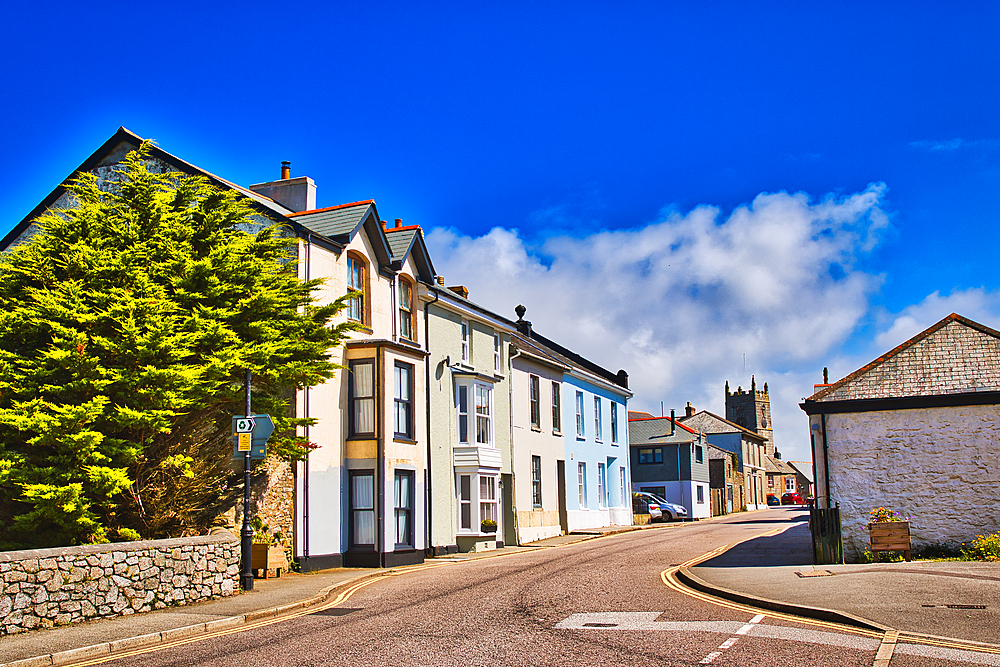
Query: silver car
656, 507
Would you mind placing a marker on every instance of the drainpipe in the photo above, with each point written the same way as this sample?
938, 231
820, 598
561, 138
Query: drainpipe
379, 458
826, 459
427, 406
510, 394
305, 400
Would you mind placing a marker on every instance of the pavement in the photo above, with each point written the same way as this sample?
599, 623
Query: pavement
773, 572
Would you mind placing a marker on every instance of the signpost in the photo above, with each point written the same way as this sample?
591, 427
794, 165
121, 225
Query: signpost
250, 435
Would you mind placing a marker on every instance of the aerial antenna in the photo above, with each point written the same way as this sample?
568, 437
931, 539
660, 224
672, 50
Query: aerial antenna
661, 408
744, 365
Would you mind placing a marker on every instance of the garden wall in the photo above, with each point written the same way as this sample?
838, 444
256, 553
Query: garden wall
46, 587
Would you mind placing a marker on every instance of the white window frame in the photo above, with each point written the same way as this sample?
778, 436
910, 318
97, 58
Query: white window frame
602, 501
466, 331
580, 433
699, 494
614, 423
789, 484
581, 480
497, 359
534, 401
624, 487
474, 507
472, 415
598, 426
556, 407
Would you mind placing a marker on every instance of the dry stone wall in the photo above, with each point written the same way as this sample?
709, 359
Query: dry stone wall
938, 466
46, 587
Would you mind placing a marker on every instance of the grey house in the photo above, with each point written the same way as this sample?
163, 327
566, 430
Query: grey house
670, 460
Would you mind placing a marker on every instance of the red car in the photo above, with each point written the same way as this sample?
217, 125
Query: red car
792, 498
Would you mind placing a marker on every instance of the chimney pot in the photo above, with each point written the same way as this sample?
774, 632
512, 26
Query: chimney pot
689, 410
286, 170
441, 280
399, 222
673, 423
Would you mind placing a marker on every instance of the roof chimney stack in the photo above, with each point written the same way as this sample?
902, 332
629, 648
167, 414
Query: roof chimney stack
673, 423
689, 410
297, 194
399, 222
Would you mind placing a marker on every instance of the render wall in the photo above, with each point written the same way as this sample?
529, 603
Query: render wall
939, 466
46, 587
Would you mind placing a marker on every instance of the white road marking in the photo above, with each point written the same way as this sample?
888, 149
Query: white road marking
729, 642
710, 657
745, 629
757, 619
642, 620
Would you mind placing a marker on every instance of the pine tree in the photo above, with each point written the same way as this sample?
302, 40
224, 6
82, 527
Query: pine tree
127, 324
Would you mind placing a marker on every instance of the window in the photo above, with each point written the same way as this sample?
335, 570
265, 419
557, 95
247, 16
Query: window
624, 486
699, 454
481, 397
403, 495
488, 498
581, 479
602, 501
598, 426
770, 481
614, 423
700, 493
536, 481
789, 484
356, 282
497, 364
405, 309
650, 455
556, 409
465, 342
535, 401
403, 382
465, 502
484, 417
361, 395
362, 508
579, 414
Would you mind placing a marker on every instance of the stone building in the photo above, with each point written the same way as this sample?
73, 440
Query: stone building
752, 410
914, 431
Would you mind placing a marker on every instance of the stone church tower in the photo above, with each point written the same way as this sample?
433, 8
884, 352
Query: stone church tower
752, 411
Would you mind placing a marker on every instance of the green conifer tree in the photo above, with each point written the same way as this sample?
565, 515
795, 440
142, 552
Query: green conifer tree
127, 324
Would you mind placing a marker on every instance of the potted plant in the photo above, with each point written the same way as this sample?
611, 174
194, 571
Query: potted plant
488, 526
889, 531
268, 549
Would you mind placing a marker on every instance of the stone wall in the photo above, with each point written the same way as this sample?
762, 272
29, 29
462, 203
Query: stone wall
938, 466
46, 587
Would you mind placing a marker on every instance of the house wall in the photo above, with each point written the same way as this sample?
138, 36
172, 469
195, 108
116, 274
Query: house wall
682, 489
591, 450
535, 523
938, 466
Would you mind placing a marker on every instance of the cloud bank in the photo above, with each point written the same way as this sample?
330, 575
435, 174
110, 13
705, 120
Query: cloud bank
690, 300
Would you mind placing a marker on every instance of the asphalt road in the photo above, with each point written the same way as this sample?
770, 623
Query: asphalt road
600, 602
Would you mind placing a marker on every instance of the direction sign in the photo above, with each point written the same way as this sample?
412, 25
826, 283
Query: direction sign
250, 434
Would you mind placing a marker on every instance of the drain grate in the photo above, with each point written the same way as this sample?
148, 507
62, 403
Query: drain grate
600, 625
956, 606
335, 611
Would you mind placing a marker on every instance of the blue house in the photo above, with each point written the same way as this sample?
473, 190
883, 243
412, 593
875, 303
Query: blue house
670, 460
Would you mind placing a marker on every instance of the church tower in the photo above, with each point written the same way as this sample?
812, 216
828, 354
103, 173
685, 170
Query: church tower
751, 410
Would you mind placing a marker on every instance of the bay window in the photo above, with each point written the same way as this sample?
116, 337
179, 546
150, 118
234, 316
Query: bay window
362, 508
403, 399
403, 501
361, 397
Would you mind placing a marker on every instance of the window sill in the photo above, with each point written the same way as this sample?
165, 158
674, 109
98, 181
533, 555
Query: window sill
361, 436
409, 342
364, 328
403, 439
536, 429
559, 433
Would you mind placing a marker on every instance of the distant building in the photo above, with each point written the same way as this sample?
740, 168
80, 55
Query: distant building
670, 460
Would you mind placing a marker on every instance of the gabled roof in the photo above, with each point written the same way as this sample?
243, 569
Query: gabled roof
954, 356
804, 468
586, 368
341, 223
407, 241
112, 151
656, 431
709, 422
777, 466
538, 353
638, 415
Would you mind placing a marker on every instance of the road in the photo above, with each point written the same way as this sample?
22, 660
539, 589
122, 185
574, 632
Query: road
600, 602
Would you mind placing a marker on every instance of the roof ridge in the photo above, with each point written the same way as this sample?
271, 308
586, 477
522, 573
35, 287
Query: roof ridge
331, 208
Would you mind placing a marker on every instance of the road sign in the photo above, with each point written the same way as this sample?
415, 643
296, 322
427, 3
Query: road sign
243, 424
250, 434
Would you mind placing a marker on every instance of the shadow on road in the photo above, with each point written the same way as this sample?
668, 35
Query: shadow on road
791, 547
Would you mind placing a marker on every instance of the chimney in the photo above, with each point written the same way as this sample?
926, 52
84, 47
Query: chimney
673, 423
689, 410
298, 194
458, 289
399, 222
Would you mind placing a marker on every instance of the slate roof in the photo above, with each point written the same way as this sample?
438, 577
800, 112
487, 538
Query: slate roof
656, 431
709, 422
718, 452
334, 221
409, 241
638, 415
954, 356
804, 468
533, 349
777, 466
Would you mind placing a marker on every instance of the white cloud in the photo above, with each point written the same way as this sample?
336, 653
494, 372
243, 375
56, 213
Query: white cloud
976, 304
954, 144
678, 302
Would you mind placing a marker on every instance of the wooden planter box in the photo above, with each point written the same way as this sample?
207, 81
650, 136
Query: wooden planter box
890, 536
265, 557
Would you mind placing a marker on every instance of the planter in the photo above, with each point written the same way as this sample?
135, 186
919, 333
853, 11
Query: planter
488, 529
890, 536
266, 557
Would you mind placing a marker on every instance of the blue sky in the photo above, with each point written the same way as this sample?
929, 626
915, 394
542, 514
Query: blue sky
605, 161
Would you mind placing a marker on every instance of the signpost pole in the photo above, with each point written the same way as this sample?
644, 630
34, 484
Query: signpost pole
246, 543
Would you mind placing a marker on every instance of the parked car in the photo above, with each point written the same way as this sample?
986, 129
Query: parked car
657, 508
792, 498
772, 500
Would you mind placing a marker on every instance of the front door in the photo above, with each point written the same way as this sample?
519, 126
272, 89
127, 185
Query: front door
561, 496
